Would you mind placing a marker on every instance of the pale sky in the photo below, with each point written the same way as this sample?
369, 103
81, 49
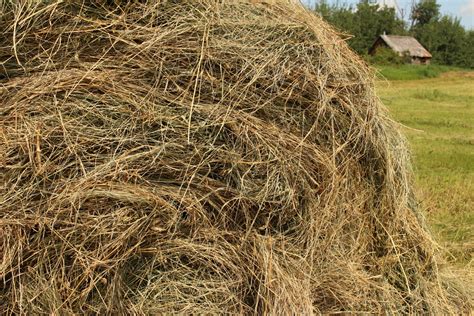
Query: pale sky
463, 9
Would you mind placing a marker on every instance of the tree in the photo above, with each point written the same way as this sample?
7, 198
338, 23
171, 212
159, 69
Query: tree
366, 21
424, 12
324, 9
442, 35
446, 39
467, 51
450, 41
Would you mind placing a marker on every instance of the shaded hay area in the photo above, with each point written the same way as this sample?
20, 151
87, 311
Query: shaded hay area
201, 157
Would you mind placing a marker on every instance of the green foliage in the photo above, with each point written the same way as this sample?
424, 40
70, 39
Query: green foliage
467, 51
445, 39
371, 21
425, 11
386, 56
444, 36
366, 21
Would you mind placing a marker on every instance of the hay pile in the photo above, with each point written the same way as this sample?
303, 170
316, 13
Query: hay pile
200, 157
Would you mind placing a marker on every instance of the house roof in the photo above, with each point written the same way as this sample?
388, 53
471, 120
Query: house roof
403, 44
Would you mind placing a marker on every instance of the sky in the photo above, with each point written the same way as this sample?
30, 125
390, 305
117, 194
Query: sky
463, 9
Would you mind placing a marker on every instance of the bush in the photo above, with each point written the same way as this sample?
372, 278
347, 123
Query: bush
386, 56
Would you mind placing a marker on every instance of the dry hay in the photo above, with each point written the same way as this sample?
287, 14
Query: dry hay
200, 157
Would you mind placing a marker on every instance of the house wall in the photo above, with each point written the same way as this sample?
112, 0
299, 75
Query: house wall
377, 45
420, 61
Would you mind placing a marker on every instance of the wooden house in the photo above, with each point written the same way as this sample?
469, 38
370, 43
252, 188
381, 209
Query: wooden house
403, 45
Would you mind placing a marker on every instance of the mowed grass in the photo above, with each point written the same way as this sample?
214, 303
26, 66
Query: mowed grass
438, 119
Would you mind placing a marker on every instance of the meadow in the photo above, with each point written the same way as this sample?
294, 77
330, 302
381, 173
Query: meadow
414, 72
437, 115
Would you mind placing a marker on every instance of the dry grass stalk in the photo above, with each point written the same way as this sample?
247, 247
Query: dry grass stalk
200, 157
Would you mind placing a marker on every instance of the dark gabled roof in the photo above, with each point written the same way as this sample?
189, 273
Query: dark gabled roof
402, 44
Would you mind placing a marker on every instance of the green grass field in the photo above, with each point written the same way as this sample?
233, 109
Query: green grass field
438, 119
413, 72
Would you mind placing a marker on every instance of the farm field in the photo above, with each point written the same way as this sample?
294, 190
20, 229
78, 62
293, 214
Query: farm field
438, 119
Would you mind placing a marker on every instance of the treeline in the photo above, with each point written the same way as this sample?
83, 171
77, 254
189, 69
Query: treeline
444, 36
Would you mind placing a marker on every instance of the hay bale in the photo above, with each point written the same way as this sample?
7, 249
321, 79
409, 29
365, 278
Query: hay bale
200, 157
